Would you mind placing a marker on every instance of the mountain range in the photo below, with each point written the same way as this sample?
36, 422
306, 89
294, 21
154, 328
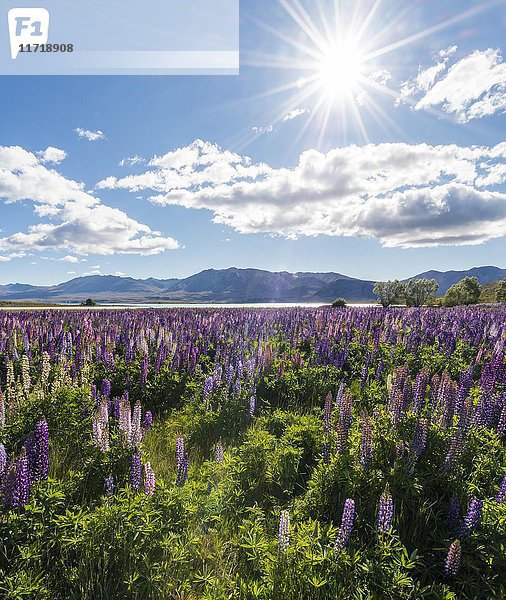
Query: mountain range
226, 285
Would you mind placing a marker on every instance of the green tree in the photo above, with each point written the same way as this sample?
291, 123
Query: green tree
500, 293
339, 303
466, 291
88, 302
389, 292
419, 291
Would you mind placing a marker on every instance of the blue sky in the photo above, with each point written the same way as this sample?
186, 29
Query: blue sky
376, 153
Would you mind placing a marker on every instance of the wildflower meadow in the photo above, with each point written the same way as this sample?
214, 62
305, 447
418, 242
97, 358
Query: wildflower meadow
284, 453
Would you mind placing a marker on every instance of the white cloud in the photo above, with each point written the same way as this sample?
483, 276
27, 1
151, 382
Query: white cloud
403, 195
69, 259
472, 88
294, 113
78, 223
52, 155
447, 51
71, 272
262, 130
131, 160
119, 274
11, 255
91, 136
381, 77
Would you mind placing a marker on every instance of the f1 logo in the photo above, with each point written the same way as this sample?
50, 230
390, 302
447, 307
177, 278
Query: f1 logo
27, 26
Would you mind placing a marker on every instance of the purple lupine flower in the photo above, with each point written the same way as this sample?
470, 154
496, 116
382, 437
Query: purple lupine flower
3, 460
148, 420
219, 452
252, 406
17, 482
40, 458
149, 480
344, 532
182, 471
208, 387
109, 485
473, 516
137, 431
326, 452
106, 387
116, 407
182, 462
457, 446
453, 559
421, 382
366, 441
284, 531
501, 496
452, 519
344, 424
135, 471
144, 370
179, 450
420, 440
385, 511
327, 414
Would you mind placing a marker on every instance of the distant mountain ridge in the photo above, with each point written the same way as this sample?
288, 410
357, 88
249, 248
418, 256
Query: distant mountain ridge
227, 285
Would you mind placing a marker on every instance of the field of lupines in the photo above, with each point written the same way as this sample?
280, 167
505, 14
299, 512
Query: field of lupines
241, 453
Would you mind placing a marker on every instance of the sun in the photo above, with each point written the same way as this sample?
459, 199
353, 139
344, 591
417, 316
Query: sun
339, 70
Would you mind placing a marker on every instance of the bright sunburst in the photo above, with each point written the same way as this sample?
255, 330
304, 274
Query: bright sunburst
340, 49
339, 70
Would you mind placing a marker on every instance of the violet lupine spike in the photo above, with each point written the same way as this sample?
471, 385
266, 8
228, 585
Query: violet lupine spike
3, 461
148, 421
252, 406
17, 483
284, 531
149, 480
473, 517
453, 558
452, 519
344, 424
109, 485
345, 530
106, 387
385, 511
326, 452
420, 440
327, 414
219, 453
182, 471
135, 471
136, 424
501, 495
41, 449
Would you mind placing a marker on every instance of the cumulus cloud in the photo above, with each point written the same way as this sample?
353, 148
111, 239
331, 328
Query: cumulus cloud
79, 222
131, 160
294, 113
11, 255
403, 195
69, 259
471, 88
91, 136
52, 155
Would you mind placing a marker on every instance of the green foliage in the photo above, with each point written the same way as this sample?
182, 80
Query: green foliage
420, 291
466, 291
389, 292
500, 293
339, 303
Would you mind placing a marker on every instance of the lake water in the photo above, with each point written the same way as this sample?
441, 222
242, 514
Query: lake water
148, 305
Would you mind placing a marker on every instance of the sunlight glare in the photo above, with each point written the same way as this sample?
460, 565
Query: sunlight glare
339, 70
